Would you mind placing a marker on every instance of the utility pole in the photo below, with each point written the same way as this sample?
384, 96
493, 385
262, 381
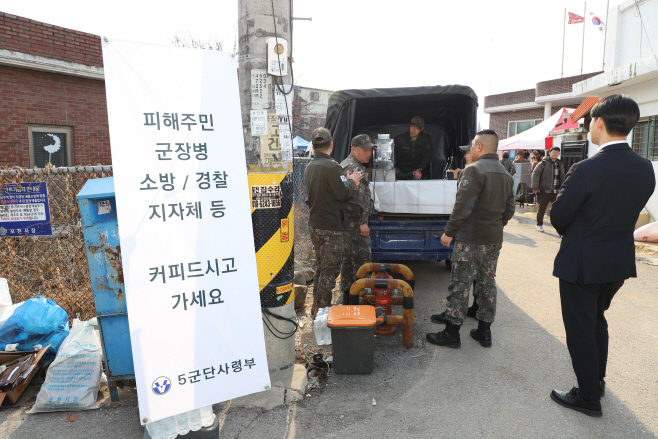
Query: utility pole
270, 173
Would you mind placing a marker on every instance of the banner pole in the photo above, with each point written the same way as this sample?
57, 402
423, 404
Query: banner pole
605, 36
582, 54
564, 30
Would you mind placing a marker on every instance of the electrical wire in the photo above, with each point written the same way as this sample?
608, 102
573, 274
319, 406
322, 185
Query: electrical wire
268, 323
638, 13
278, 57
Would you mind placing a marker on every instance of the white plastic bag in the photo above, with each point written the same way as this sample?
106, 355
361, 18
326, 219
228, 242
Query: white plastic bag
647, 233
73, 379
5, 297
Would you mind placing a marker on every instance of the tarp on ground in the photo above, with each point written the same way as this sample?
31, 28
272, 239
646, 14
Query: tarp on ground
536, 137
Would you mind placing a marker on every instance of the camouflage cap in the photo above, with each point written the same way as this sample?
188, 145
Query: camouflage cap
321, 137
417, 121
465, 148
363, 141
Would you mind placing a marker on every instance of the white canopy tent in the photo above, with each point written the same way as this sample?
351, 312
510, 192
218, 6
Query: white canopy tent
535, 138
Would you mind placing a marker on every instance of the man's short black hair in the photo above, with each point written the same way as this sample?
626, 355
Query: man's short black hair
620, 114
555, 148
541, 153
506, 155
492, 145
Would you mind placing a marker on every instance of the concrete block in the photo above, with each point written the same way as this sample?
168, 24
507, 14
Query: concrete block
310, 274
292, 396
300, 277
266, 400
299, 381
300, 296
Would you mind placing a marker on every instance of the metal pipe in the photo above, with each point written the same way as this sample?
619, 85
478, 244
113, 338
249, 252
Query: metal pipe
406, 320
391, 268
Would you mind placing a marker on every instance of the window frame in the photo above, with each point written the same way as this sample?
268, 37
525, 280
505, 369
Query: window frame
650, 145
536, 121
50, 129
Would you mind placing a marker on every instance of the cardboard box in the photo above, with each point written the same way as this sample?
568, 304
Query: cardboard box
15, 393
643, 220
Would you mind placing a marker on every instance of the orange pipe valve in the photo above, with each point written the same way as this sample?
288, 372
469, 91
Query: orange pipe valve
406, 320
391, 268
384, 297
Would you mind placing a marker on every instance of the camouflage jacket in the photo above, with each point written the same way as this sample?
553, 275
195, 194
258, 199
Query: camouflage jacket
484, 203
358, 206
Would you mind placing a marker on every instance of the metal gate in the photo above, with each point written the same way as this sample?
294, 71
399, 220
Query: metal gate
573, 152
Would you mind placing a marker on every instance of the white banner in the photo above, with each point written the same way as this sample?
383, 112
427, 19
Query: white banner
185, 222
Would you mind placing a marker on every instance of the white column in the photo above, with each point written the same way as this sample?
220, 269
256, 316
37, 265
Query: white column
548, 110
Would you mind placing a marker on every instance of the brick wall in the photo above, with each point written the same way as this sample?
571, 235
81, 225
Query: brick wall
515, 97
34, 97
562, 85
23, 35
498, 121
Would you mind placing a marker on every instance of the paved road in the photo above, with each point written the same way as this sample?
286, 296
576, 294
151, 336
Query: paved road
473, 392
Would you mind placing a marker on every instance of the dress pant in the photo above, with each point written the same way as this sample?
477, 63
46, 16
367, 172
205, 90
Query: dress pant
546, 197
587, 331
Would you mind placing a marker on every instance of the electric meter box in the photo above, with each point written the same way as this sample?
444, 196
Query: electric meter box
277, 57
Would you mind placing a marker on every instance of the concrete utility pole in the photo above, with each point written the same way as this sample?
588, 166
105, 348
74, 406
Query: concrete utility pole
270, 173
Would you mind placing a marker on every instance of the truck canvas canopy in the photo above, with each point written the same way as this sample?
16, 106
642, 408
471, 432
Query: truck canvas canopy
449, 113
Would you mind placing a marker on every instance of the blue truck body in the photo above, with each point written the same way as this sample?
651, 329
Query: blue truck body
450, 114
403, 239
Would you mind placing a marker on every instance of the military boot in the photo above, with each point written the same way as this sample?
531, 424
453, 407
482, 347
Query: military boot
482, 334
448, 337
472, 311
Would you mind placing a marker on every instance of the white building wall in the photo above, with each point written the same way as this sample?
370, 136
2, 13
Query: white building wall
631, 67
632, 43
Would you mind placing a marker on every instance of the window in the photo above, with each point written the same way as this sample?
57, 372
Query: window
306, 122
645, 138
315, 96
50, 145
519, 126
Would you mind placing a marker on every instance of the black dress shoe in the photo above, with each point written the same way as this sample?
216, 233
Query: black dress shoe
439, 318
573, 401
444, 338
602, 388
484, 337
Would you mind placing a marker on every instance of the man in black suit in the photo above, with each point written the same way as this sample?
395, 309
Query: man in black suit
595, 212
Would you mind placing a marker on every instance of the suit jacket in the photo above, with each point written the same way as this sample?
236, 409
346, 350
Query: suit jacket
596, 211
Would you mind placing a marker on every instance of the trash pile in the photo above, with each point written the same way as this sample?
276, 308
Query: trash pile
31, 332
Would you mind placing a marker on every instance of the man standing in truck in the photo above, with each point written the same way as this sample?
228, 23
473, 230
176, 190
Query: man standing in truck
413, 152
328, 189
356, 234
483, 206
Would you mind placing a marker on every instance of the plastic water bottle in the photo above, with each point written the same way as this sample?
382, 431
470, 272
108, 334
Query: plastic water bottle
320, 328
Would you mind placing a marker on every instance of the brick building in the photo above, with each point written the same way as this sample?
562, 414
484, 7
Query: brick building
514, 112
52, 96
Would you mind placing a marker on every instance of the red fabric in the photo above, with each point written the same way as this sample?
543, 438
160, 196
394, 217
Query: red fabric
549, 142
575, 19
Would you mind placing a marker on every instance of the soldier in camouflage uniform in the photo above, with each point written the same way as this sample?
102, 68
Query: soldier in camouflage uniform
356, 234
327, 188
483, 206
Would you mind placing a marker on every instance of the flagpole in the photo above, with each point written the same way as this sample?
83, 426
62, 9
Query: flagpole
564, 29
582, 55
605, 37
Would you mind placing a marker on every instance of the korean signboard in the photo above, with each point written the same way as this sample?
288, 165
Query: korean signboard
185, 221
24, 209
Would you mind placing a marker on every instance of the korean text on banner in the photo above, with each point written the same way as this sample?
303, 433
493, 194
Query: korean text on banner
24, 209
185, 222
